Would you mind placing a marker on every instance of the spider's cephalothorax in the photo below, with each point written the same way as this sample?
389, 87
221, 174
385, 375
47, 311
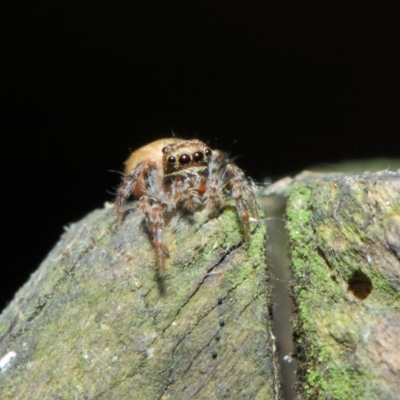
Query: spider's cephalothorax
176, 174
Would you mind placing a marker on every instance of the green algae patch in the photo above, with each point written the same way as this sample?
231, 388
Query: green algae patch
344, 276
109, 327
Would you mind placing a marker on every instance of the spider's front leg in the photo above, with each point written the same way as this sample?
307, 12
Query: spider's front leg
153, 212
133, 183
240, 185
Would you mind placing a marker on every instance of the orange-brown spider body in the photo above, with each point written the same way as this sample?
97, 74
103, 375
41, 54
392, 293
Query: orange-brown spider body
184, 175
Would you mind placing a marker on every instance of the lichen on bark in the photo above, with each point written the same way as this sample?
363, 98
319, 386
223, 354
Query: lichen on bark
344, 233
94, 322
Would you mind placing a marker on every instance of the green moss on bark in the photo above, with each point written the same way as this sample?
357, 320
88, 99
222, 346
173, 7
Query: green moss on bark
346, 285
95, 322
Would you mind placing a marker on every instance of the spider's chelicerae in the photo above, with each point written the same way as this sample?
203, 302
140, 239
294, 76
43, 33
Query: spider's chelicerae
182, 175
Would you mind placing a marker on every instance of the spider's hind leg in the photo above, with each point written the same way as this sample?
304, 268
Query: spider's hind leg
247, 187
154, 218
239, 185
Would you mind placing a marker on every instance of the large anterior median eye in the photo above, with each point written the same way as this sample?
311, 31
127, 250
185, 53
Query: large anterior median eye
198, 156
184, 159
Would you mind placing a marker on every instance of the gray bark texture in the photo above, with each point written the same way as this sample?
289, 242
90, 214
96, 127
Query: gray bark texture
344, 234
95, 322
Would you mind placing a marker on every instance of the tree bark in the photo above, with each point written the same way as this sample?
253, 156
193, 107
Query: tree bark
345, 251
95, 322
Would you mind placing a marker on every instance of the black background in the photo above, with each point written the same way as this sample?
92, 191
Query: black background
281, 84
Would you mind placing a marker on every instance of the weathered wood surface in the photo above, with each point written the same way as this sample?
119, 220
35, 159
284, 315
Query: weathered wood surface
345, 251
93, 322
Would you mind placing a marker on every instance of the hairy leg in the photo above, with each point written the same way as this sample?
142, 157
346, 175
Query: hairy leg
239, 185
133, 183
153, 212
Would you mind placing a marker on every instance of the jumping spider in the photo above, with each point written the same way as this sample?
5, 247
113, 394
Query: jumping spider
183, 175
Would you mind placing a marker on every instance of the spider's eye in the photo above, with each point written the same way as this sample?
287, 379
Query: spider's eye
198, 156
184, 159
207, 152
171, 160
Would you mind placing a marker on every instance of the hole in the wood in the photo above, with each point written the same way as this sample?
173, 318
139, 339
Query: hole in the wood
360, 285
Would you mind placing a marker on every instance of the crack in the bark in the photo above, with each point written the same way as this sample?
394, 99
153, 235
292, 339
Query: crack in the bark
202, 280
226, 252
191, 295
196, 356
219, 330
249, 303
201, 318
